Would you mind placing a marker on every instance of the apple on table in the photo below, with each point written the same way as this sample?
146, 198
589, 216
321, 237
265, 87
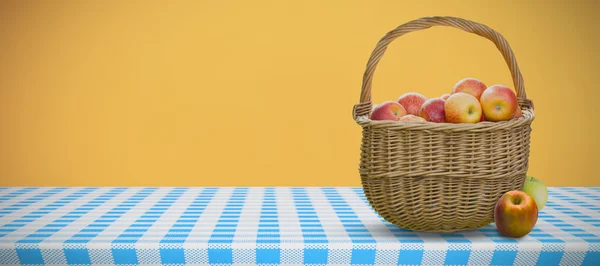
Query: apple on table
515, 214
537, 190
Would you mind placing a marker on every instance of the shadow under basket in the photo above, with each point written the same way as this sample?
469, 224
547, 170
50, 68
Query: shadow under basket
442, 177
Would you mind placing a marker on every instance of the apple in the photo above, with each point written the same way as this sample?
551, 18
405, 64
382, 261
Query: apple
433, 110
515, 214
518, 112
412, 102
388, 111
462, 108
372, 109
412, 118
445, 96
470, 86
537, 190
499, 103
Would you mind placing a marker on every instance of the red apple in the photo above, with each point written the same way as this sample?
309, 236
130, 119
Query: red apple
445, 96
412, 102
469, 86
518, 112
462, 108
388, 111
433, 110
411, 118
499, 103
515, 214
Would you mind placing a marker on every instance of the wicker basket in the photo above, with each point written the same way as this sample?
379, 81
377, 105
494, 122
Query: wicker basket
441, 177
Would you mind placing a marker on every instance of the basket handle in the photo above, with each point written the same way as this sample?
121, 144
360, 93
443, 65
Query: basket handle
364, 107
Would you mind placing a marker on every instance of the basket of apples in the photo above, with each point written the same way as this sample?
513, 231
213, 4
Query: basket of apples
441, 164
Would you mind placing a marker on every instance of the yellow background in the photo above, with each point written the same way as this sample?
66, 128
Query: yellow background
259, 93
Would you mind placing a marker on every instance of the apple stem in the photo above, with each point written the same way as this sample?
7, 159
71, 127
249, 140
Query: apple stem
516, 201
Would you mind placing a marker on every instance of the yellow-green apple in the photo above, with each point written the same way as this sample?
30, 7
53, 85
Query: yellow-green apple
412, 102
462, 108
388, 111
515, 214
433, 110
499, 103
470, 86
445, 96
411, 118
537, 190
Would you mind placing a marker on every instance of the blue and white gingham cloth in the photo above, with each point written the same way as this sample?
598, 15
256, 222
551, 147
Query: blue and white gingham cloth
206, 226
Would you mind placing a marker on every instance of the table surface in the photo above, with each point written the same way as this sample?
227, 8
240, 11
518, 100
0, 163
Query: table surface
259, 225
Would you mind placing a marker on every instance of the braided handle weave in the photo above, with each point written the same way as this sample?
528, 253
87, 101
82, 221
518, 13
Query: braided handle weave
364, 107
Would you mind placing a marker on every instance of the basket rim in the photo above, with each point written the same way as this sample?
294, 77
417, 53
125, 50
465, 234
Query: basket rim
485, 126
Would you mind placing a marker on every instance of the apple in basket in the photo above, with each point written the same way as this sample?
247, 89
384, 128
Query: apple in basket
388, 111
499, 103
515, 214
412, 118
433, 110
412, 102
462, 108
470, 86
518, 112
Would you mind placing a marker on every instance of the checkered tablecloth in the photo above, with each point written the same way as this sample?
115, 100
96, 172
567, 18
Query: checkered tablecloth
200, 226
